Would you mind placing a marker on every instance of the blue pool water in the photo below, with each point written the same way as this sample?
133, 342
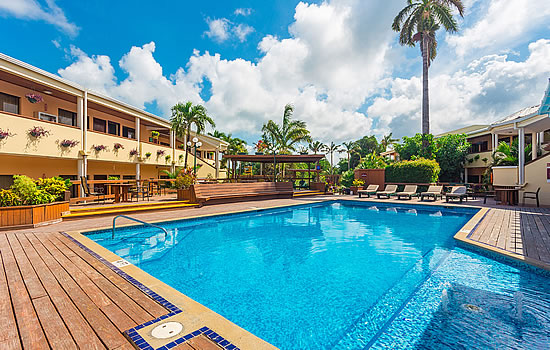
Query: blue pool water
346, 275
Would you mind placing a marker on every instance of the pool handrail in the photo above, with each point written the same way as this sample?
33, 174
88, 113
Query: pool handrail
139, 221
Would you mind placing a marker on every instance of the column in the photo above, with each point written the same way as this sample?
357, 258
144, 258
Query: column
217, 161
137, 127
534, 145
81, 114
173, 145
495, 141
465, 175
521, 156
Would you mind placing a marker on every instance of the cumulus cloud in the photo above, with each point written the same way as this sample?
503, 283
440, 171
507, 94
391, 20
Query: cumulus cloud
242, 30
222, 29
93, 72
33, 10
243, 12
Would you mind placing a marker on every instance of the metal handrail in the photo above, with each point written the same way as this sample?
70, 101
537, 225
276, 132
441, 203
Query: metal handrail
137, 220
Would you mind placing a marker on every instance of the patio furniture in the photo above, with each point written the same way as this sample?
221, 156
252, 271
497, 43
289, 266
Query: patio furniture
89, 193
388, 191
432, 192
137, 190
238, 192
507, 195
408, 192
457, 192
371, 189
532, 195
120, 191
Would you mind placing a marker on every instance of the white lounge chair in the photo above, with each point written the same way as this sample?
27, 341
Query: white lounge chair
432, 192
408, 192
388, 191
371, 189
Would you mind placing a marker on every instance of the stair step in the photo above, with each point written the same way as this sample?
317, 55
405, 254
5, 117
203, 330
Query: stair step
125, 206
307, 193
103, 211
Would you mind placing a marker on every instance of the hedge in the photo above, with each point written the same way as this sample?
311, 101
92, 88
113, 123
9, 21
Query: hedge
413, 171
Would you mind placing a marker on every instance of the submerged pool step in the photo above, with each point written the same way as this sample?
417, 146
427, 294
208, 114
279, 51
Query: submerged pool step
116, 209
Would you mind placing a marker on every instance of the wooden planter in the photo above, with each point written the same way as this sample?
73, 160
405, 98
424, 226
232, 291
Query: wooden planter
32, 215
354, 189
184, 195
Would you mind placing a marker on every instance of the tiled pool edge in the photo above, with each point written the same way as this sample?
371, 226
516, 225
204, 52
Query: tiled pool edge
174, 310
463, 240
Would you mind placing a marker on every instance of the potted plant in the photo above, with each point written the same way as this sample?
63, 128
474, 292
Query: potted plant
38, 132
4, 134
261, 147
34, 98
160, 152
181, 158
99, 148
183, 183
133, 152
117, 146
167, 158
356, 185
155, 136
68, 143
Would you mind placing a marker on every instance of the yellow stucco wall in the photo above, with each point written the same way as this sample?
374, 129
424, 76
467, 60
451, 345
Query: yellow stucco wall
505, 176
36, 167
479, 163
122, 155
535, 177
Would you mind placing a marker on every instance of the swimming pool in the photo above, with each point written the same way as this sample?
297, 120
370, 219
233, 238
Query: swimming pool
345, 275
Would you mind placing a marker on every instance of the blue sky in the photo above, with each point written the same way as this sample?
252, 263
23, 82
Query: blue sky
337, 61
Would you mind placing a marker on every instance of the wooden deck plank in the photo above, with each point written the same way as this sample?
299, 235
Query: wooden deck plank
56, 332
34, 287
106, 331
117, 296
80, 330
30, 331
102, 301
504, 232
9, 337
152, 307
203, 343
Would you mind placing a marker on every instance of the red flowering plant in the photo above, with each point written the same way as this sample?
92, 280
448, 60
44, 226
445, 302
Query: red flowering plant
99, 148
68, 143
133, 152
261, 146
34, 98
4, 134
38, 132
118, 146
160, 152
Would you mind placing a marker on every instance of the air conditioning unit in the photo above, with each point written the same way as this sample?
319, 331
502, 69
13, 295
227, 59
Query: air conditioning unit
47, 117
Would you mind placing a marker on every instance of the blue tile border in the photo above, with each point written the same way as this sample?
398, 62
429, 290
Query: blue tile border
131, 333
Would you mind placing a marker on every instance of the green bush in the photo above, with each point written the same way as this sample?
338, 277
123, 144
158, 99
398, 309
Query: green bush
413, 171
347, 178
55, 186
372, 161
29, 193
8, 198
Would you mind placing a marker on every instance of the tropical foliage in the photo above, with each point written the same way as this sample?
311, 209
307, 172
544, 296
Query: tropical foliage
26, 191
316, 146
451, 155
285, 138
507, 155
331, 149
420, 170
372, 161
418, 23
420, 145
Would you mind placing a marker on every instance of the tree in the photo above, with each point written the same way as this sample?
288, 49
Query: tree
387, 141
418, 22
316, 146
330, 149
349, 148
285, 137
451, 155
184, 116
418, 146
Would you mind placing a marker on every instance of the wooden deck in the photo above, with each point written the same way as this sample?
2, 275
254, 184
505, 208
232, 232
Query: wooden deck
55, 295
523, 231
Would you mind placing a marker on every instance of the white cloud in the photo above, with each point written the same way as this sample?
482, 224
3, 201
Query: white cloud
95, 72
243, 12
242, 30
32, 10
218, 29
502, 24
56, 44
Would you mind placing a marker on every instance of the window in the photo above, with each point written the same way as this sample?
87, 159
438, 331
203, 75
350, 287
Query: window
478, 147
165, 144
66, 117
474, 179
9, 103
100, 125
128, 132
128, 177
114, 128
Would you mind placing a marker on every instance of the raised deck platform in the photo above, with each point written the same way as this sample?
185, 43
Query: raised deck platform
124, 208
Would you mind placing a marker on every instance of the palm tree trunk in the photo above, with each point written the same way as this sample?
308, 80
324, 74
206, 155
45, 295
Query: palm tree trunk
425, 91
349, 161
186, 146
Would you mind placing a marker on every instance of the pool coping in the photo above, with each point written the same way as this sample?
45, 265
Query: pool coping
198, 319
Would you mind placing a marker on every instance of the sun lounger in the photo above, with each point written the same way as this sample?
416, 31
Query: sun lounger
371, 189
457, 192
433, 192
408, 192
388, 191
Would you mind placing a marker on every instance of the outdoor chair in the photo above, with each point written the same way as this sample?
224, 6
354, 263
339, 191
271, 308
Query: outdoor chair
532, 195
388, 191
432, 192
408, 192
371, 189
138, 190
99, 194
457, 192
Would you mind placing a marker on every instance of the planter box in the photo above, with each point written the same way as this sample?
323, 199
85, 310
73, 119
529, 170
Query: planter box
184, 195
32, 215
354, 189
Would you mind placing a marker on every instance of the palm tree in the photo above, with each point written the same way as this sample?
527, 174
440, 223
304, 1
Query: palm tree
184, 116
350, 147
387, 141
285, 137
418, 22
316, 146
330, 149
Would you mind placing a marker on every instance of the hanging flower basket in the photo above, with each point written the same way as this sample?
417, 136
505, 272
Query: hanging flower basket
118, 146
34, 98
99, 148
133, 152
38, 132
4, 134
148, 154
68, 143
160, 152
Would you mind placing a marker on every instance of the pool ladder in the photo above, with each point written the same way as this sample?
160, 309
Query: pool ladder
139, 221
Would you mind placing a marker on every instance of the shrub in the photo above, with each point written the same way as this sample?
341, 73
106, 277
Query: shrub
185, 179
23, 187
411, 147
451, 156
8, 198
347, 178
413, 171
358, 182
55, 186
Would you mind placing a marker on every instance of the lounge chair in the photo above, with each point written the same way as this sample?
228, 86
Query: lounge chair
432, 192
100, 195
388, 191
457, 192
408, 192
371, 189
532, 195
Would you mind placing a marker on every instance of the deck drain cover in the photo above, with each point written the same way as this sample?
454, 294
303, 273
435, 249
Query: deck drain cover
167, 330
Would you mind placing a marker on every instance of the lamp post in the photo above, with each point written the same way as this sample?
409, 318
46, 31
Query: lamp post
195, 144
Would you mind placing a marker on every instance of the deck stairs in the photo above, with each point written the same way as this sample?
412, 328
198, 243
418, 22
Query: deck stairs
76, 213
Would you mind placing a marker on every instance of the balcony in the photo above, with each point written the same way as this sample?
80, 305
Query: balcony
111, 153
157, 155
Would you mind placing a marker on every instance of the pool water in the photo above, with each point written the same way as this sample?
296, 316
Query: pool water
346, 275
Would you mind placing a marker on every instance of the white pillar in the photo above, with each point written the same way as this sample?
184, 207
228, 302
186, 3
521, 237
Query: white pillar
495, 141
521, 156
82, 115
534, 145
137, 127
217, 161
173, 145
465, 175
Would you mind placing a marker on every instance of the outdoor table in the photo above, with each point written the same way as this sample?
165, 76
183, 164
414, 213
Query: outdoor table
508, 194
121, 192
